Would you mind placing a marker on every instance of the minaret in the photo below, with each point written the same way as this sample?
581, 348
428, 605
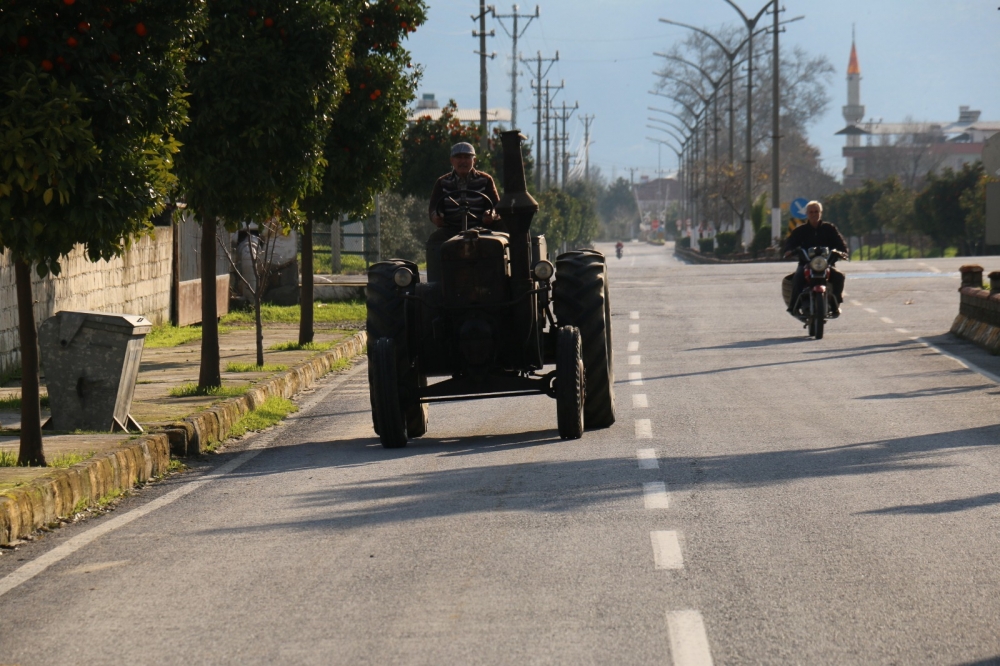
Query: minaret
854, 112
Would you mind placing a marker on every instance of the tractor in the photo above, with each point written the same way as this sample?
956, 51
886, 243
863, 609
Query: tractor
492, 318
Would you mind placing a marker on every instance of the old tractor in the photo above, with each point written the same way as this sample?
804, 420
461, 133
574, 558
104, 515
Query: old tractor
492, 322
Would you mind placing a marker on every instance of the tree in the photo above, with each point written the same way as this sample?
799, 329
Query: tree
617, 209
261, 91
363, 143
93, 102
938, 209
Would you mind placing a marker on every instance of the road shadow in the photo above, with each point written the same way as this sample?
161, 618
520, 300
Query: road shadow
750, 344
946, 506
925, 393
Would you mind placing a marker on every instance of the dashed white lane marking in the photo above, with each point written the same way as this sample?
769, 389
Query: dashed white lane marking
643, 429
634, 360
666, 550
871, 311
902, 330
856, 303
688, 640
634, 314
31, 569
639, 401
635, 378
647, 459
887, 320
633, 329
971, 366
633, 345
654, 495
934, 270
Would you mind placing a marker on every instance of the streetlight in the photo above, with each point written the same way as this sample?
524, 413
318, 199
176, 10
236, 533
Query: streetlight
751, 24
680, 168
662, 183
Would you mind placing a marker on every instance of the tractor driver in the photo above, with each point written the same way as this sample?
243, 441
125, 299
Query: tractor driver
463, 176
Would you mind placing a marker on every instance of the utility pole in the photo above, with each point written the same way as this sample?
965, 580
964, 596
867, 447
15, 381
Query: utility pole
514, 35
549, 132
586, 120
631, 180
483, 55
537, 85
564, 138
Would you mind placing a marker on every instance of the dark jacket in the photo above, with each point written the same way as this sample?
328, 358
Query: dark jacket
477, 181
824, 235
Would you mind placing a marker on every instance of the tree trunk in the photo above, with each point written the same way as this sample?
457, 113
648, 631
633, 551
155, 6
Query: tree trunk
209, 375
259, 326
31, 411
335, 246
306, 286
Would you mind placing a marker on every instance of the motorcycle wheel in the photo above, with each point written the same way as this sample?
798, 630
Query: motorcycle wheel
818, 315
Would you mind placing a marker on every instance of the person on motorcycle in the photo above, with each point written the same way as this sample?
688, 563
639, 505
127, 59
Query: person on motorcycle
619, 248
817, 233
463, 176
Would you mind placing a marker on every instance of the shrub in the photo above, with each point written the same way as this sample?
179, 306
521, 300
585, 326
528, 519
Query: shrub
706, 245
761, 240
726, 242
684, 242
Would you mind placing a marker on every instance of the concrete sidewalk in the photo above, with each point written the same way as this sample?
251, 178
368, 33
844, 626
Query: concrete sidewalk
89, 466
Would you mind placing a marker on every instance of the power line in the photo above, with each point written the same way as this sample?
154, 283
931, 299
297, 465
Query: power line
482, 35
537, 86
514, 34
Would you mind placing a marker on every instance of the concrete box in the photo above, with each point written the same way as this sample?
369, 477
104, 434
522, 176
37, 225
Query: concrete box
91, 361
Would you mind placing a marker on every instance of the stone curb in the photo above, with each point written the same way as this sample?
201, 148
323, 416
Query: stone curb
978, 319
700, 258
43, 501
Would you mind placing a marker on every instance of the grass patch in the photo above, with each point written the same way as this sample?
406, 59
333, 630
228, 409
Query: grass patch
340, 364
192, 389
900, 251
13, 403
273, 410
169, 335
289, 314
175, 465
295, 346
8, 459
81, 505
69, 459
108, 498
253, 367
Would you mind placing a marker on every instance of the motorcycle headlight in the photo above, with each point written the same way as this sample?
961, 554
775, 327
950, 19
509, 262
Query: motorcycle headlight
543, 270
402, 277
818, 264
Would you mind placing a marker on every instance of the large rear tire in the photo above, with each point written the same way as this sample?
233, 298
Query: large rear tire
386, 315
570, 383
581, 298
416, 414
387, 408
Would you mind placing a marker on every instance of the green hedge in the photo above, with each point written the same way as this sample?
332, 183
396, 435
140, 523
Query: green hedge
726, 242
684, 242
706, 245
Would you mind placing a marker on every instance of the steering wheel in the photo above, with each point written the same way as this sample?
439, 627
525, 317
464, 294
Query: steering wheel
462, 204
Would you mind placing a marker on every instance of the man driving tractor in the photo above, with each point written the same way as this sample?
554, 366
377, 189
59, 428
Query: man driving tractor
442, 209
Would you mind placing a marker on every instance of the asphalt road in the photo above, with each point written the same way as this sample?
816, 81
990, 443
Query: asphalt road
763, 498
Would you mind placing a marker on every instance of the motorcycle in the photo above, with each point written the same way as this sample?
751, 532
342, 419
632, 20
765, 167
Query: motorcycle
817, 303
618, 251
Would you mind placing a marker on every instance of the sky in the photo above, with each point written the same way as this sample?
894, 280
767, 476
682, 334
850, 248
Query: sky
920, 59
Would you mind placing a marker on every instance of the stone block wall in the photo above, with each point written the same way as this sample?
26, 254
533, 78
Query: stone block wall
136, 283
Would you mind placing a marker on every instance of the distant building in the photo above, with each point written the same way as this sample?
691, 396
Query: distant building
427, 107
909, 150
654, 199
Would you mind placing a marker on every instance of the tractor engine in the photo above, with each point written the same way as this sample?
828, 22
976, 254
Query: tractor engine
476, 272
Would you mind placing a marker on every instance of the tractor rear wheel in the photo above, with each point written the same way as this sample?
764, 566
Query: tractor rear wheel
386, 318
582, 300
416, 414
571, 383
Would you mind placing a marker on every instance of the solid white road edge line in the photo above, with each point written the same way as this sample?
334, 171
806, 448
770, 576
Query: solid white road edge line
635, 378
28, 571
633, 345
654, 495
666, 550
643, 429
639, 401
688, 639
967, 364
647, 459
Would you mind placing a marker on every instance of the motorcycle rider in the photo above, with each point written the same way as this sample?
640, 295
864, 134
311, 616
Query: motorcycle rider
816, 233
463, 176
619, 248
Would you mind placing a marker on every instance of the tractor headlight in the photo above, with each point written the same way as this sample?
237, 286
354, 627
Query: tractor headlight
543, 270
818, 264
402, 277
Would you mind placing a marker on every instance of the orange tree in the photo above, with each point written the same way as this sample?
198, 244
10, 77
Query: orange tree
92, 102
267, 77
363, 143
